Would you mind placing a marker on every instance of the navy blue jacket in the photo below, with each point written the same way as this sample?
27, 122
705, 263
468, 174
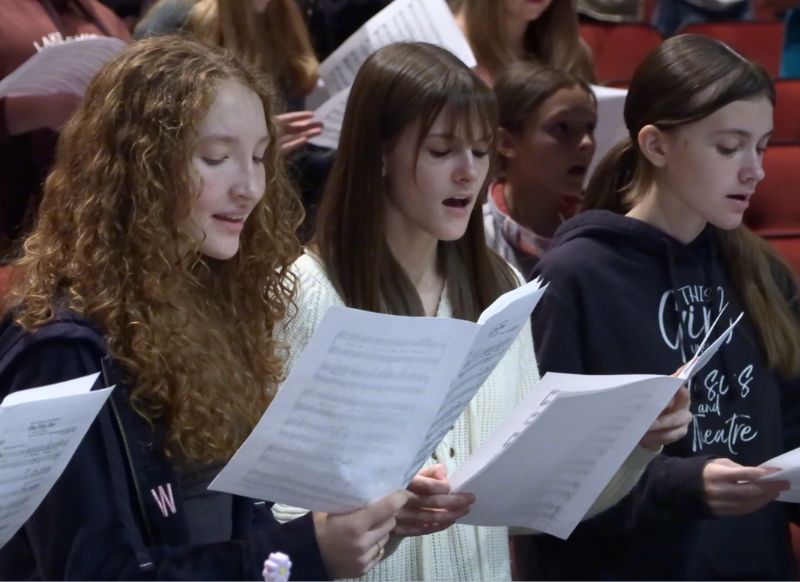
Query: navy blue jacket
625, 297
117, 510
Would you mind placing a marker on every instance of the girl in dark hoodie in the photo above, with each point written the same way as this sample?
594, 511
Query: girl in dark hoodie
636, 293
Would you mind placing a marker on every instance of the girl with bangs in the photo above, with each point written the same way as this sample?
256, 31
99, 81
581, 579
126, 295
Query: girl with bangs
635, 283
400, 231
160, 259
545, 32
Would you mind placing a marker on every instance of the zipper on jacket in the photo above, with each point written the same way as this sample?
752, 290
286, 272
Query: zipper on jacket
133, 474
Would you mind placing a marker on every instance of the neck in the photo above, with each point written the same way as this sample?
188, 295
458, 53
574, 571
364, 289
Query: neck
534, 209
667, 214
418, 257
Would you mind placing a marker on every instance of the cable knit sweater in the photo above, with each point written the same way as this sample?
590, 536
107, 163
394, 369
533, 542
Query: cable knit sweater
462, 552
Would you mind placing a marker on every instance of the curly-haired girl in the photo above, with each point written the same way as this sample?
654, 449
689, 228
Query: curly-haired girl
160, 259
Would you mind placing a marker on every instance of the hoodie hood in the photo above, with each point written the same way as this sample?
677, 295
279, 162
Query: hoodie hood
623, 231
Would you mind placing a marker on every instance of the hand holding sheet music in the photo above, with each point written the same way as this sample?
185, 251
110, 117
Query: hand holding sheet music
367, 402
546, 465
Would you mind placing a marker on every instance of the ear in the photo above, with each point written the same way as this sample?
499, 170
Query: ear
506, 143
654, 145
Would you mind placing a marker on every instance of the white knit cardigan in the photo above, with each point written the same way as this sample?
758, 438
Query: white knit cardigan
461, 552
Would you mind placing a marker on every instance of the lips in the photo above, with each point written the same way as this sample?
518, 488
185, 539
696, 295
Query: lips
740, 201
578, 171
457, 201
231, 218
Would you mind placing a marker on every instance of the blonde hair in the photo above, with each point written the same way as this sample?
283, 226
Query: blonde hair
276, 40
551, 40
192, 335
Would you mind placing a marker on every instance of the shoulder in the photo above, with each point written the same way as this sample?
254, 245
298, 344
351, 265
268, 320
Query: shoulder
165, 17
66, 347
66, 326
315, 291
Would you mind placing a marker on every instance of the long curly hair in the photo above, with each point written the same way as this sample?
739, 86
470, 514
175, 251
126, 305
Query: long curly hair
192, 335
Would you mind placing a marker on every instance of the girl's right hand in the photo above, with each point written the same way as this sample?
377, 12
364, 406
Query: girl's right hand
732, 489
352, 544
431, 506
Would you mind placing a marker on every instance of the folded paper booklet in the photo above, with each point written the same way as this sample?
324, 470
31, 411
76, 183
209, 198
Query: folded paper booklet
368, 401
550, 460
40, 429
61, 67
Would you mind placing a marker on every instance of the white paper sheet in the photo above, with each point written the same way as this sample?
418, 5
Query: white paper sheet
64, 67
40, 429
610, 128
549, 461
789, 465
402, 20
363, 404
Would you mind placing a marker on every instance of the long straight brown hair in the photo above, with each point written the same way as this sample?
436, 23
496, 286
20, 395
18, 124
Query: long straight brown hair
276, 40
684, 80
551, 40
397, 86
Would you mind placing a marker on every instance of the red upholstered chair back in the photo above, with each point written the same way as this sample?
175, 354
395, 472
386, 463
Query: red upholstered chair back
787, 111
619, 48
758, 40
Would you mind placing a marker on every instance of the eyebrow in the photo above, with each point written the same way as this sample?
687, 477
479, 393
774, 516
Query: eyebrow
448, 135
228, 139
742, 132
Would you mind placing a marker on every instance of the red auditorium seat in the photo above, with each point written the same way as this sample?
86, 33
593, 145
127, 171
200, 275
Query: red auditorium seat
619, 48
787, 111
758, 40
774, 211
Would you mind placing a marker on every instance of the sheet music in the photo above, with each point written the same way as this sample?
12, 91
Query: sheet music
548, 463
331, 114
351, 416
500, 324
402, 20
789, 465
366, 403
564, 443
63, 67
40, 429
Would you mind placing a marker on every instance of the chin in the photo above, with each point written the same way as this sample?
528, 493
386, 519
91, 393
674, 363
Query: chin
728, 223
220, 253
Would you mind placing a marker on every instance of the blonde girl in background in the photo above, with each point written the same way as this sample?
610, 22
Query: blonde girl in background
502, 32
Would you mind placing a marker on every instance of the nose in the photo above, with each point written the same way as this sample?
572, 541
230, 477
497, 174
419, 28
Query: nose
466, 170
587, 142
753, 169
249, 184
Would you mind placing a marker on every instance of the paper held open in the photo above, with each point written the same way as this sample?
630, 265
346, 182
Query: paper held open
368, 401
564, 443
40, 429
62, 67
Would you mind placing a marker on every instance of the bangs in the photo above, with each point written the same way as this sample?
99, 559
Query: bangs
468, 106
